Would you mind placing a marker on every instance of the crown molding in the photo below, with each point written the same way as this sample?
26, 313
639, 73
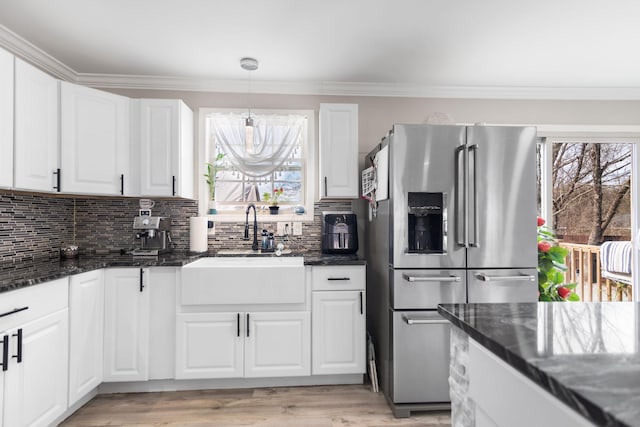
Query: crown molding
358, 89
33, 54
36, 56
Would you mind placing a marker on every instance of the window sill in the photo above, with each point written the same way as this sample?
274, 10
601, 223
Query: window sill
266, 217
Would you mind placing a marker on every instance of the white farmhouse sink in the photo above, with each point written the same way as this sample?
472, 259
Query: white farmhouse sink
243, 280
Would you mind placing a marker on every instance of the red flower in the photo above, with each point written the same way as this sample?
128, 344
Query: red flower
544, 246
563, 292
541, 222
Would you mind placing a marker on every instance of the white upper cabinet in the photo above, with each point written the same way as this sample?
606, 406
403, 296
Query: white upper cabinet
165, 148
339, 176
6, 119
36, 129
94, 141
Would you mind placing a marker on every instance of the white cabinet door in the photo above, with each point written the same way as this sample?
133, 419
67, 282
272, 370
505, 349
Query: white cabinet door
209, 345
339, 336
165, 148
6, 119
277, 344
86, 333
126, 324
36, 129
339, 176
94, 142
36, 387
162, 323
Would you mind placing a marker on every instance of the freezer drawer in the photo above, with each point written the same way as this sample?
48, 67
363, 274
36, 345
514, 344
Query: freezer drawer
425, 289
420, 365
517, 285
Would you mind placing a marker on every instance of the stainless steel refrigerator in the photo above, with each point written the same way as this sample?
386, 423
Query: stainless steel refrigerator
459, 225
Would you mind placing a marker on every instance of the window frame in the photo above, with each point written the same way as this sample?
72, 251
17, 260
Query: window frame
308, 165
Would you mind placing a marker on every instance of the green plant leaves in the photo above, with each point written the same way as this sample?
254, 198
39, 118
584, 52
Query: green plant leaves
551, 268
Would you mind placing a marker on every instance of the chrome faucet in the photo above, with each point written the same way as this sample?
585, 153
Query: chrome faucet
254, 246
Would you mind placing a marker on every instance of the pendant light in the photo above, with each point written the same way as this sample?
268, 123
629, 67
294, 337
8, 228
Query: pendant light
249, 64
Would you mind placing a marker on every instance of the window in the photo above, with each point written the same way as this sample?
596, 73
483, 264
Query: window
279, 158
585, 191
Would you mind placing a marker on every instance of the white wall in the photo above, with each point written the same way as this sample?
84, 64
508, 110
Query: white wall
378, 114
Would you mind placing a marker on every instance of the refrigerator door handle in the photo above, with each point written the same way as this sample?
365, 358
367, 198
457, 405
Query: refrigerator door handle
462, 220
476, 231
420, 321
486, 278
431, 278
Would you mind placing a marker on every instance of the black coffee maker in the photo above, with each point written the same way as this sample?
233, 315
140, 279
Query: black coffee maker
339, 233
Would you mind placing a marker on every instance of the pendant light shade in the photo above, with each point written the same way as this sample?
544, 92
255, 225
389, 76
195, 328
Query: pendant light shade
248, 135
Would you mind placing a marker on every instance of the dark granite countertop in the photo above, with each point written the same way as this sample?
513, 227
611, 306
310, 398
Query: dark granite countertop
585, 354
20, 274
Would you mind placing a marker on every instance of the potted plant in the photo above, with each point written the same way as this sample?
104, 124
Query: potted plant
212, 171
551, 268
272, 198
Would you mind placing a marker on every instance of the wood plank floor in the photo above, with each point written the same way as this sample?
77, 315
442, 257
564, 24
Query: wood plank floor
316, 406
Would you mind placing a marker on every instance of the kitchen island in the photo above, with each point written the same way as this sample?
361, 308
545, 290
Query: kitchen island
545, 364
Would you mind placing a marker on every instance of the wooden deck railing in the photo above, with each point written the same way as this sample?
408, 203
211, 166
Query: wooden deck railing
583, 268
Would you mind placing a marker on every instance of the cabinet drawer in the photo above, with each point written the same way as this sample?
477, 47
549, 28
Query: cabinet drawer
338, 277
40, 300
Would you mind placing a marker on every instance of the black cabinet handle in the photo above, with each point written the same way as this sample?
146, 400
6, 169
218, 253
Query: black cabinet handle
15, 310
5, 353
122, 184
238, 323
174, 185
361, 304
338, 278
18, 355
325, 186
57, 174
141, 280
247, 324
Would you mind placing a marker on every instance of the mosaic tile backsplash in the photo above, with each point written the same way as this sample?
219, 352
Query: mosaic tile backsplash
34, 225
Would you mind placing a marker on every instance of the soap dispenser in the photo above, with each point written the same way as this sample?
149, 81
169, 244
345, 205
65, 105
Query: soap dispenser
265, 240
272, 242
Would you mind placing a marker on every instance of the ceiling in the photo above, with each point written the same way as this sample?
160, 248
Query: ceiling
382, 47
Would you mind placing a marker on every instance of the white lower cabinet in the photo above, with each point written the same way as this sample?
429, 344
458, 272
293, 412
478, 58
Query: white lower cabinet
243, 344
209, 345
339, 320
503, 397
339, 335
86, 333
126, 324
162, 322
277, 344
35, 331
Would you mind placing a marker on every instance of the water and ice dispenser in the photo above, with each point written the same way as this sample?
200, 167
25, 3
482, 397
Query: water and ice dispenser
427, 223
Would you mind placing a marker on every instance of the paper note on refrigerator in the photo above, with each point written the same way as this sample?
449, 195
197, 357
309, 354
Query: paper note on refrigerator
382, 171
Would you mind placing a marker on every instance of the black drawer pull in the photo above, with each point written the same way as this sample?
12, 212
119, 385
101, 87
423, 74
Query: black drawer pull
141, 280
18, 355
57, 174
238, 320
15, 310
247, 324
122, 184
173, 185
361, 304
338, 278
5, 353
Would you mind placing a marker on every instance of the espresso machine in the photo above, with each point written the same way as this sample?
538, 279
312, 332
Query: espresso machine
153, 234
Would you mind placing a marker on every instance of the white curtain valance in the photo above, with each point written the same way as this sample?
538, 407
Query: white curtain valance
275, 138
